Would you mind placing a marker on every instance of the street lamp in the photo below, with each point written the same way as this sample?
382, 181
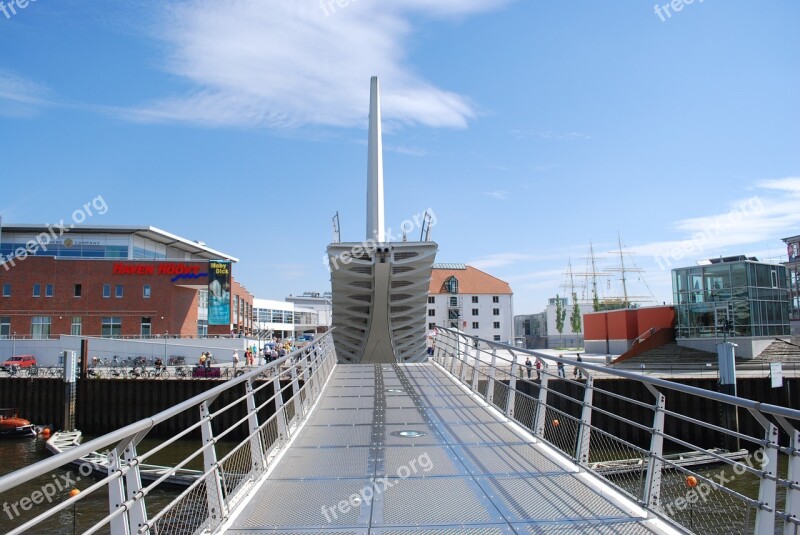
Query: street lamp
13, 343
166, 333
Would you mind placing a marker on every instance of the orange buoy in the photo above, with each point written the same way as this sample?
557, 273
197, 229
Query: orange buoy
691, 481
46, 432
74, 492
556, 423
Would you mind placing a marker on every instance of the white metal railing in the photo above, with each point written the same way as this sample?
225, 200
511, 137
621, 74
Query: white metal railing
622, 435
230, 469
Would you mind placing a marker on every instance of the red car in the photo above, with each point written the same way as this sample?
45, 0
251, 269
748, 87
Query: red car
20, 361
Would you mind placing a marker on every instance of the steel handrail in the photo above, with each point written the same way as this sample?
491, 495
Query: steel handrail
775, 410
46, 466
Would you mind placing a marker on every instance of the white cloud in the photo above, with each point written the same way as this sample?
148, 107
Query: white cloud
279, 63
19, 96
500, 195
550, 134
766, 217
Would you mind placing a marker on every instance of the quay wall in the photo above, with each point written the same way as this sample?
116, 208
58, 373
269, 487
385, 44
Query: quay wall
104, 405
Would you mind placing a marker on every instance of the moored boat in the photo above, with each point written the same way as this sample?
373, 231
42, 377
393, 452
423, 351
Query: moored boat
11, 425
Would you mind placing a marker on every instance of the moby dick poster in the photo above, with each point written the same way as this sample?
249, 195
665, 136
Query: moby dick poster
219, 293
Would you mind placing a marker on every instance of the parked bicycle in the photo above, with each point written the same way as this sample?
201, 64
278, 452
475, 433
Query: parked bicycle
33, 371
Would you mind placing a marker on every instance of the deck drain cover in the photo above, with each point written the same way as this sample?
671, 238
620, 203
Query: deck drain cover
408, 434
395, 390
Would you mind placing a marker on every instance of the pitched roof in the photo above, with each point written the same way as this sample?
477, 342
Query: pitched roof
470, 281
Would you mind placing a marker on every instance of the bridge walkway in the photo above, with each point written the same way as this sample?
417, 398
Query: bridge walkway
394, 449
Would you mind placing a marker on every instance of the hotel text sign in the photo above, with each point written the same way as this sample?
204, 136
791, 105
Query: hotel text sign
177, 270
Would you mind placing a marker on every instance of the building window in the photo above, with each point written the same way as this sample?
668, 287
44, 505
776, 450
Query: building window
106, 291
431, 312
202, 328
146, 328
497, 338
474, 298
111, 327
495, 299
118, 291
77, 291
431, 326
451, 285
495, 312
496, 324
431, 299
454, 301
48, 290
77, 326
40, 327
37, 290
7, 289
146, 291
474, 324
5, 327
474, 311
774, 279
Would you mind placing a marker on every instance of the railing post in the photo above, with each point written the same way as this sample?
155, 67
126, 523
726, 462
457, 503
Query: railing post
792, 505
585, 429
298, 403
464, 358
765, 516
137, 514
454, 356
652, 488
541, 406
116, 493
280, 412
210, 465
490, 386
512, 387
477, 370
256, 450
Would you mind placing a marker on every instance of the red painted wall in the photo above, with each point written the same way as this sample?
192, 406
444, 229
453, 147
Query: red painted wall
626, 324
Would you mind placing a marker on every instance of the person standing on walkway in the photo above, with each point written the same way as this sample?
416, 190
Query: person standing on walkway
235, 360
578, 371
561, 370
528, 366
538, 370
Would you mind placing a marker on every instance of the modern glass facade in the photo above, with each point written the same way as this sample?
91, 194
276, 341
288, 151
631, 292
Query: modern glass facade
751, 297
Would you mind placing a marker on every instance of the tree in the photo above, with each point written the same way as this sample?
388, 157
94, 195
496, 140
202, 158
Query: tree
595, 301
575, 317
561, 315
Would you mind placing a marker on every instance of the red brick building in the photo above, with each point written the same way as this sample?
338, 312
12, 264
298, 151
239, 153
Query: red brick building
114, 281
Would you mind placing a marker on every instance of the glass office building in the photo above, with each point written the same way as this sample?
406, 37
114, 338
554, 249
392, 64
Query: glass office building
737, 294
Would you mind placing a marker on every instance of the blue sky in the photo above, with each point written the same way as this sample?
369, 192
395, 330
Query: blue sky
530, 128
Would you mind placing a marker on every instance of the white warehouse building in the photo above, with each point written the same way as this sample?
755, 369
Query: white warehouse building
284, 320
468, 299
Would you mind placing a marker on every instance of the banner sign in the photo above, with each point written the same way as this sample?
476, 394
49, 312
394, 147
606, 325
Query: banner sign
776, 374
219, 292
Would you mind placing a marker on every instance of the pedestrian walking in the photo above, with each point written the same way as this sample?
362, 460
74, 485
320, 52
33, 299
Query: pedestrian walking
578, 373
561, 370
538, 370
235, 360
528, 366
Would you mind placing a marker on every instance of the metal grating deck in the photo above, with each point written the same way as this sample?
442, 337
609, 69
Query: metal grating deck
353, 469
